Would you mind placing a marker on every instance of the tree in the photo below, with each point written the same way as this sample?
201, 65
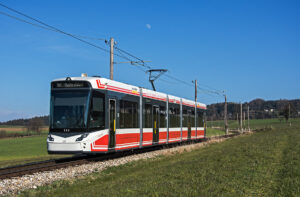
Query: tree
35, 125
286, 112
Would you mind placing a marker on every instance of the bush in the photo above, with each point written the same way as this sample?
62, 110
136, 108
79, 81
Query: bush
3, 134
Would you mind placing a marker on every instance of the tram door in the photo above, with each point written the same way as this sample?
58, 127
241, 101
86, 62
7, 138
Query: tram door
112, 123
189, 124
155, 124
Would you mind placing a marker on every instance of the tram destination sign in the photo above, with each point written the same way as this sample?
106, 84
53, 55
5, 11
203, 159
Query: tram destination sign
70, 84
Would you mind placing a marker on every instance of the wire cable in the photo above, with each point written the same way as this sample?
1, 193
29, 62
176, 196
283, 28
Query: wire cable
49, 27
141, 62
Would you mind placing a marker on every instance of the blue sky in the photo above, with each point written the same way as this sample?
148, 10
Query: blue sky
249, 48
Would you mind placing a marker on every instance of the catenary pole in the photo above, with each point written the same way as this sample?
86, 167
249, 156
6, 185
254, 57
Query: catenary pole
225, 115
111, 76
196, 90
241, 118
196, 116
248, 119
244, 122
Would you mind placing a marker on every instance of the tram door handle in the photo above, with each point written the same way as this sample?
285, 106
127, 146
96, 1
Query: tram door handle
155, 127
114, 125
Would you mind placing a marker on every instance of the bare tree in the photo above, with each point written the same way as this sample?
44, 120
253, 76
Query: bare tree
35, 125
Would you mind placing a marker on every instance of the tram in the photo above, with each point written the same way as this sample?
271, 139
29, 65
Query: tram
97, 115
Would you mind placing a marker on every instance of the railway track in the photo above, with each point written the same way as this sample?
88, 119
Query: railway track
47, 165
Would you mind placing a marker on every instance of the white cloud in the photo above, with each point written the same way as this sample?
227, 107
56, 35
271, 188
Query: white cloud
148, 26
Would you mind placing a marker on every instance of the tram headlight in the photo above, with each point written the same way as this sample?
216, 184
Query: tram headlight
50, 138
82, 137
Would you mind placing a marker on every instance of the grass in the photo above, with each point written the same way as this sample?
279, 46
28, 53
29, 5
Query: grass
254, 124
213, 132
21, 150
266, 163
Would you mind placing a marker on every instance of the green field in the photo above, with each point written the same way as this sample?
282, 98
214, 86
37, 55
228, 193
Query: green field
214, 132
254, 124
23, 150
266, 163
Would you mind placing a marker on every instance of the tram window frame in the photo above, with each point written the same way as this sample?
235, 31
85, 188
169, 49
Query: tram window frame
128, 114
95, 95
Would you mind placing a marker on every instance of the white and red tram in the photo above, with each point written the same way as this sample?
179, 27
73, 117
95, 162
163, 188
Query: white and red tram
98, 115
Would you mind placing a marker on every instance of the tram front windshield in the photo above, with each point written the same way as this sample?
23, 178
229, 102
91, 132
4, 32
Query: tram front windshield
69, 109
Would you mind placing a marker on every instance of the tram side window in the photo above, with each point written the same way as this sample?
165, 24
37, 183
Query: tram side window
128, 114
171, 117
163, 117
147, 112
200, 118
185, 118
97, 115
177, 111
174, 116
193, 117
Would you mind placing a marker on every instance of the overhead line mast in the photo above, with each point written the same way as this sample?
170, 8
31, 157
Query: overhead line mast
111, 73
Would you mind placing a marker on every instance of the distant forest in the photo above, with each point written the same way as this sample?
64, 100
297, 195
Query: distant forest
41, 120
258, 108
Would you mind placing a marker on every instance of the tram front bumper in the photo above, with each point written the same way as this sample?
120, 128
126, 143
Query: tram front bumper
64, 148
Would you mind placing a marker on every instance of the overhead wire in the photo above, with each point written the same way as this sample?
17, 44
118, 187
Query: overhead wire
46, 28
140, 61
52, 28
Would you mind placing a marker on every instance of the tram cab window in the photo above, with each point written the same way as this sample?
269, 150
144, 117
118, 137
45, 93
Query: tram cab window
68, 109
97, 115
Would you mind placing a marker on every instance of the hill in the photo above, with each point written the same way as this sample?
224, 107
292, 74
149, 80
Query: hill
42, 120
258, 108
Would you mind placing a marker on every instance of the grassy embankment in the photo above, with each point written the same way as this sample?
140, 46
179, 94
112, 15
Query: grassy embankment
266, 163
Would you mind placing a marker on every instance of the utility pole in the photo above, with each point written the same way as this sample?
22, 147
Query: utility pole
248, 119
111, 58
225, 115
196, 115
196, 90
244, 123
290, 114
241, 118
